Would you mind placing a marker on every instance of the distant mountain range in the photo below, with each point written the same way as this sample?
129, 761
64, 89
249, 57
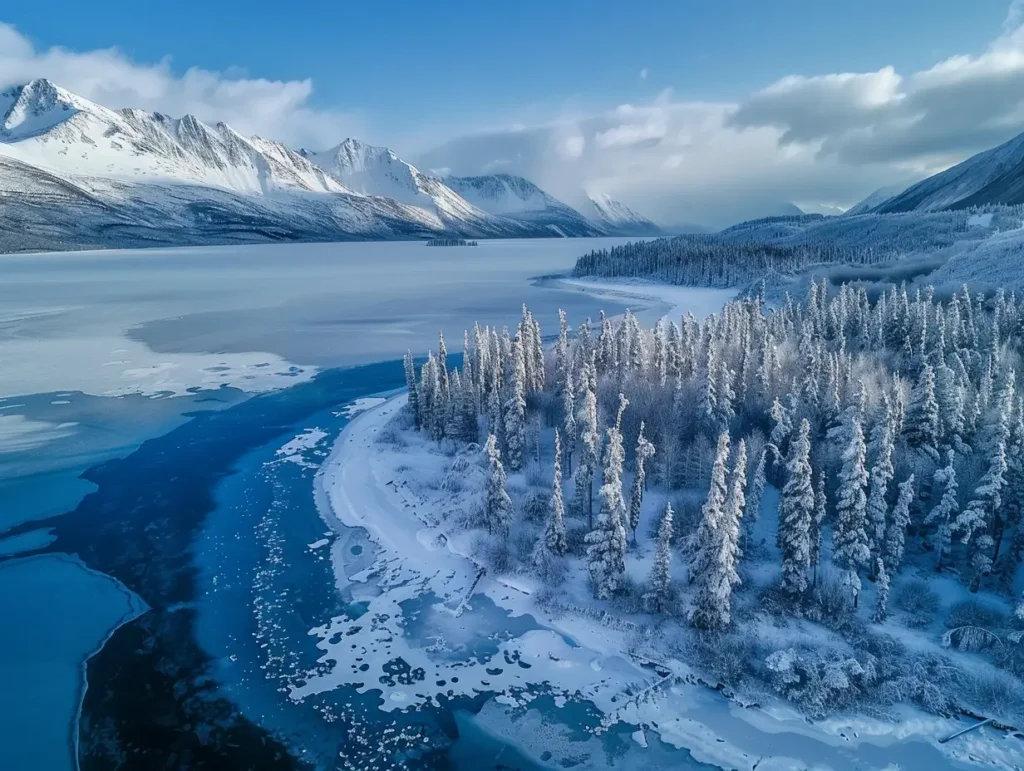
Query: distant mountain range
75, 174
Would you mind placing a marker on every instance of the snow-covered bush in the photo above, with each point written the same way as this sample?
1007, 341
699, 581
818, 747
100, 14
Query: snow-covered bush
731, 658
972, 612
820, 682
830, 600
917, 601
993, 694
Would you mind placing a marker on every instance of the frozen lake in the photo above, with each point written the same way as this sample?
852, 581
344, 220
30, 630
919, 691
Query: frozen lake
102, 351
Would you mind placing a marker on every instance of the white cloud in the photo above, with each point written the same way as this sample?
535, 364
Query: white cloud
643, 74
272, 108
924, 121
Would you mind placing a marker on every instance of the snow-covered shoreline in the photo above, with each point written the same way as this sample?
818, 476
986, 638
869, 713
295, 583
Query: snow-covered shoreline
672, 301
360, 485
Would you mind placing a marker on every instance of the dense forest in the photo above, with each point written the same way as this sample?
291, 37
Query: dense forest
838, 461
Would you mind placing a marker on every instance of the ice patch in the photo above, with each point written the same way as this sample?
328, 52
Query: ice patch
293, 450
20, 434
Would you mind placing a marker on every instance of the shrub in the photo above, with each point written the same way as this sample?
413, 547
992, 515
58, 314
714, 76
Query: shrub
917, 601
537, 507
820, 683
575, 539
974, 613
730, 657
830, 599
629, 599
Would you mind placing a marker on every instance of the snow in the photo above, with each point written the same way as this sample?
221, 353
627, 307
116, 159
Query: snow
424, 577
979, 220
293, 450
700, 301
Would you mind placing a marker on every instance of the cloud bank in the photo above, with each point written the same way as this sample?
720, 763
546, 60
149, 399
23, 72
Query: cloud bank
271, 108
818, 140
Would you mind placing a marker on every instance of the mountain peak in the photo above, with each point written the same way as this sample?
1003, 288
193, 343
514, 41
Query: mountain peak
618, 218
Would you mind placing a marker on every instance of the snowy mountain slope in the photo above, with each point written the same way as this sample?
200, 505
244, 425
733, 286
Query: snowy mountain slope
516, 198
378, 171
618, 219
130, 177
874, 200
992, 176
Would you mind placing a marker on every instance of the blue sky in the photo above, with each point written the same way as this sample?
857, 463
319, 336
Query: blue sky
694, 110
476, 64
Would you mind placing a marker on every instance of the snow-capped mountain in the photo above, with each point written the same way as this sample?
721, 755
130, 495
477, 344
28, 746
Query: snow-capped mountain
618, 219
516, 198
874, 200
992, 176
76, 174
377, 171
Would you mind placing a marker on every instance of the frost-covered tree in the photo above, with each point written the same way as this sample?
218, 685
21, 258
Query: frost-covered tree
881, 474
554, 532
735, 505
882, 589
644, 450
946, 510
820, 508
921, 428
782, 427
896, 534
606, 543
712, 512
497, 504
850, 539
719, 548
515, 410
796, 514
410, 384
659, 588
590, 443
569, 414
756, 493
975, 521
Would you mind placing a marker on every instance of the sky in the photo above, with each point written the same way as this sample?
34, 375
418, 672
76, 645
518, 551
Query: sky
687, 110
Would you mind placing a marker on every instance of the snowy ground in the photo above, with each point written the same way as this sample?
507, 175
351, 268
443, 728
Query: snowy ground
700, 301
436, 626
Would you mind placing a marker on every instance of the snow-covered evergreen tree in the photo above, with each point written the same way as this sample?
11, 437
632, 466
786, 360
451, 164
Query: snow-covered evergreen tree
410, 384
946, 510
922, 424
735, 505
606, 543
644, 450
590, 443
796, 514
820, 509
659, 588
882, 589
881, 474
515, 410
896, 534
497, 504
719, 548
554, 532
756, 494
850, 539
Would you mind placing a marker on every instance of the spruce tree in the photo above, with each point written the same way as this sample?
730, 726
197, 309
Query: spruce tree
712, 512
719, 533
881, 475
896, 534
410, 384
590, 443
882, 589
945, 512
606, 543
756, 494
820, 509
922, 424
644, 450
554, 533
497, 504
515, 410
659, 588
736, 503
796, 514
850, 539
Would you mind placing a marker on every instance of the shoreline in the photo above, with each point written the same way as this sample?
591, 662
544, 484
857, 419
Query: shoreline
672, 301
692, 715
